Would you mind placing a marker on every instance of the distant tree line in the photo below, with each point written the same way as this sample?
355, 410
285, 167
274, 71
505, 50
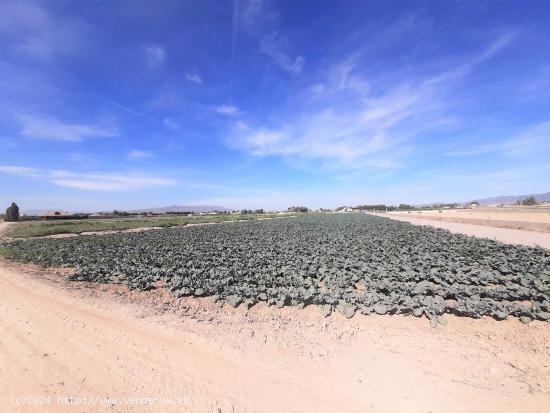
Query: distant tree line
400, 207
250, 211
371, 207
384, 207
121, 213
529, 201
298, 209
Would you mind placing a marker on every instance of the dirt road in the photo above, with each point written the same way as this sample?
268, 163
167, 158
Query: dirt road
535, 219
506, 235
540, 215
74, 344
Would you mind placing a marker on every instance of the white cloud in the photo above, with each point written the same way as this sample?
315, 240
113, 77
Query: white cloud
260, 20
230, 110
194, 78
350, 127
340, 138
137, 154
60, 173
317, 90
124, 108
464, 69
276, 47
365, 133
22, 17
38, 33
535, 138
155, 56
54, 129
17, 170
114, 182
343, 77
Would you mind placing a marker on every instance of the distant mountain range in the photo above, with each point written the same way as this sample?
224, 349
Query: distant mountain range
506, 200
183, 208
512, 199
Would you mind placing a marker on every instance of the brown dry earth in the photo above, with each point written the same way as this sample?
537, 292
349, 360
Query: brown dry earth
519, 214
89, 348
80, 347
495, 231
524, 218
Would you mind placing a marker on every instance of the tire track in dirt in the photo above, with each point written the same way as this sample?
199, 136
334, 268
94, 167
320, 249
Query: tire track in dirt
256, 361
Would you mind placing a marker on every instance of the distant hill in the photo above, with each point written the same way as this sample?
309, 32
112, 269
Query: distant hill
512, 199
183, 208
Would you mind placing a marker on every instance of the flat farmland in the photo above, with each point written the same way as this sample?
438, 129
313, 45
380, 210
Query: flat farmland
536, 219
232, 318
345, 262
29, 229
520, 214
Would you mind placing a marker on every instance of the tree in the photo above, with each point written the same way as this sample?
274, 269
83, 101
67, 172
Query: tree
12, 213
377, 207
529, 201
298, 209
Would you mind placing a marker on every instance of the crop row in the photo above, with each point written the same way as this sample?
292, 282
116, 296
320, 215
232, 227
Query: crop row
353, 262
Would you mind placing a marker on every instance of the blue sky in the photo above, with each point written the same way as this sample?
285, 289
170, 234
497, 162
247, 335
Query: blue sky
263, 104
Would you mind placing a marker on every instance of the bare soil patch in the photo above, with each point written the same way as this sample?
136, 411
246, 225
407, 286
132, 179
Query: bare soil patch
529, 219
86, 340
481, 229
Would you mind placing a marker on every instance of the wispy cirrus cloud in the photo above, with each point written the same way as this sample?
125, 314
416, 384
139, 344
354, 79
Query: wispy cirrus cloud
17, 170
91, 181
40, 127
194, 78
258, 19
123, 107
38, 33
363, 135
534, 139
227, 109
350, 127
112, 183
138, 154
276, 47
155, 55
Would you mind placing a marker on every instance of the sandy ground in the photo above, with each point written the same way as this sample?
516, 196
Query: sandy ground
521, 214
507, 235
525, 218
79, 347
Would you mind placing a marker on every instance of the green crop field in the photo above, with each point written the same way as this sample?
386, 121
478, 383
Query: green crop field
353, 262
43, 228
